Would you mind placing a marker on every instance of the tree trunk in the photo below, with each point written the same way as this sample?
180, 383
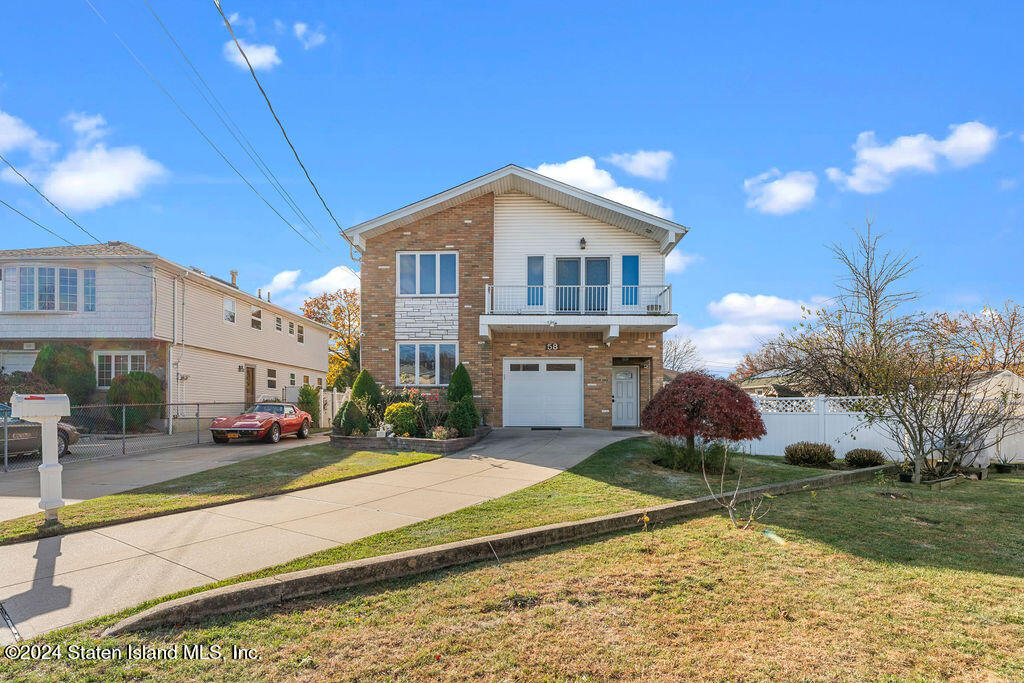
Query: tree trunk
917, 468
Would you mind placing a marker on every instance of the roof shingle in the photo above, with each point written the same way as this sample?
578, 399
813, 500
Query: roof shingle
82, 250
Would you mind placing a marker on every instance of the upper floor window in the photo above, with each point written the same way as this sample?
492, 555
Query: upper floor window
428, 273
68, 289
277, 323
291, 327
229, 310
535, 280
27, 289
305, 380
300, 337
47, 285
256, 318
291, 378
89, 290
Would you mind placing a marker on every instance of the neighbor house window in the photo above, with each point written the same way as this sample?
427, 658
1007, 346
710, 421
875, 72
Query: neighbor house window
27, 288
271, 378
68, 289
319, 382
305, 380
47, 289
277, 323
256, 318
291, 327
300, 337
427, 364
291, 379
111, 364
630, 280
229, 310
89, 291
428, 273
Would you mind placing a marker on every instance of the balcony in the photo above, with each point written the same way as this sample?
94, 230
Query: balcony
579, 300
584, 308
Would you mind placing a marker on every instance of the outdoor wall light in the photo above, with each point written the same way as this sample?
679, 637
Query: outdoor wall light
583, 243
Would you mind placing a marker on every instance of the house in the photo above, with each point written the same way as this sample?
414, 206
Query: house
774, 383
552, 297
206, 339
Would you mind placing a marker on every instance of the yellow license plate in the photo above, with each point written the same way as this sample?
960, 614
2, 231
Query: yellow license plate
232, 435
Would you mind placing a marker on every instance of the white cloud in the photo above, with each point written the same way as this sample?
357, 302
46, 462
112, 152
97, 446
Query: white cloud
87, 179
88, 127
644, 163
338, 277
282, 282
16, 135
247, 23
775, 193
877, 164
583, 173
679, 261
737, 307
309, 38
1008, 183
262, 57
290, 292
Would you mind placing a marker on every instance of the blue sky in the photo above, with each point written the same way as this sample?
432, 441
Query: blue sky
747, 106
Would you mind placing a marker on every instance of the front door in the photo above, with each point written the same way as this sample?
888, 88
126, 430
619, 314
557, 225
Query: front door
625, 380
250, 386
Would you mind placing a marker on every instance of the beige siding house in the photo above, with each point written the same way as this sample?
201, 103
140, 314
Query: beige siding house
206, 339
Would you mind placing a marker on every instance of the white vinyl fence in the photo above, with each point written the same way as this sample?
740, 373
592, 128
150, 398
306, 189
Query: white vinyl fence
836, 421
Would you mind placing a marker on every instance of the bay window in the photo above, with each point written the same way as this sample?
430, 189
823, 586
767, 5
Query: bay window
27, 289
428, 273
111, 364
47, 289
426, 364
89, 293
68, 289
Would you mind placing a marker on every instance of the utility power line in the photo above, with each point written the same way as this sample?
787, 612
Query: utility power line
196, 126
352, 247
40, 193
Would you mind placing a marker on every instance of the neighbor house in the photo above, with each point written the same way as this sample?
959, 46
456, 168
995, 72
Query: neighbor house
206, 339
553, 298
773, 383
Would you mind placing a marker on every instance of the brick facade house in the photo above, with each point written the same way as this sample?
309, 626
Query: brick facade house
553, 298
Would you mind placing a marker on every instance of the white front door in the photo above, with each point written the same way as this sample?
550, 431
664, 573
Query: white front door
625, 380
542, 392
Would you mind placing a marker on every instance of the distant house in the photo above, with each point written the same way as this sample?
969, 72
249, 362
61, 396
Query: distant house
778, 383
206, 339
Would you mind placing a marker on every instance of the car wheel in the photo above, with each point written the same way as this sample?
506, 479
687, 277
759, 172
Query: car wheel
62, 444
303, 430
274, 433
220, 439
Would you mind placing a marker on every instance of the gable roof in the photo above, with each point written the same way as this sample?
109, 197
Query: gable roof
514, 178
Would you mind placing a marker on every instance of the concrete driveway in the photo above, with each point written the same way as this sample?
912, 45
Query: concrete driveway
63, 580
85, 479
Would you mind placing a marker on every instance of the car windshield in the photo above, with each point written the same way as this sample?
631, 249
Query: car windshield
277, 409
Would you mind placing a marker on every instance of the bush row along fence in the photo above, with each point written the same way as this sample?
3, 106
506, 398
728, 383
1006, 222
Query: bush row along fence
839, 422
120, 429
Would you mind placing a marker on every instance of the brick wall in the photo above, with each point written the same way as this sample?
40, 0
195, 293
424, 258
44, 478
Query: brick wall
445, 230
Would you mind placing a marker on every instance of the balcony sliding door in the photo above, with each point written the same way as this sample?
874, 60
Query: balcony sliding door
597, 285
567, 285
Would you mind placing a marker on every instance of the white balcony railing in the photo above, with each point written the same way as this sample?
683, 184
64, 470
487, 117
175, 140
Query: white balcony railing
579, 299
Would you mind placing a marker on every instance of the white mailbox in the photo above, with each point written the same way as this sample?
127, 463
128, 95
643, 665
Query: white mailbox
28, 406
46, 409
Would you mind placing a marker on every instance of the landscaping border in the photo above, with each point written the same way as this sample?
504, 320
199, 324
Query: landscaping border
409, 443
306, 582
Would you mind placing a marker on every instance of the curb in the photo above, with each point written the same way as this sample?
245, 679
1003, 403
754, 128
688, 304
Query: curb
306, 582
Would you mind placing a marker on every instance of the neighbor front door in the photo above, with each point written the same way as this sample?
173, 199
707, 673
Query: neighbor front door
250, 386
625, 380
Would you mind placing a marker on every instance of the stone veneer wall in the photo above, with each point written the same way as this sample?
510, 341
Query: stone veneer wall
444, 231
427, 317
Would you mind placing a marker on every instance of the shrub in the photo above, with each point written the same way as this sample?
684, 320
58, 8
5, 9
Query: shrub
69, 368
864, 457
440, 432
810, 454
135, 388
460, 385
366, 390
463, 417
350, 420
309, 400
23, 383
403, 419
673, 453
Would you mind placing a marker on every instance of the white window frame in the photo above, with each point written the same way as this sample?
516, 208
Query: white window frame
85, 290
291, 327
73, 293
437, 359
224, 311
291, 379
437, 273
255, 318
115, 352
300, 334
271, 378
278, 324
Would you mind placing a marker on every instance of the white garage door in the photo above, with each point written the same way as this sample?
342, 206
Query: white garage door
542, 392
13, 361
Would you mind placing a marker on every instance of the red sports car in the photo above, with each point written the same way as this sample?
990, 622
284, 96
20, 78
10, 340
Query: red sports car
267, 421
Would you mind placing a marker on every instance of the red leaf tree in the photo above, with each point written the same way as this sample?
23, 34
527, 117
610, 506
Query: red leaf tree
697, 404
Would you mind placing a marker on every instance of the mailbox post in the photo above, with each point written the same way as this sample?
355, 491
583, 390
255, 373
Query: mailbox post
46, 409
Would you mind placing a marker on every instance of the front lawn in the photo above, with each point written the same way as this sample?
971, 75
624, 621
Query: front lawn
862, 586
280, 472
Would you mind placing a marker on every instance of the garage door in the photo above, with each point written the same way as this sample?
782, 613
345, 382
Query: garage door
542, 392
13, 361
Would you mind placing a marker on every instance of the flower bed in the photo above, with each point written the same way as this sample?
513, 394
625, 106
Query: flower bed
408, 443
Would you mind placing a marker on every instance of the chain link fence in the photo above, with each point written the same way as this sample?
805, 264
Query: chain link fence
100, 431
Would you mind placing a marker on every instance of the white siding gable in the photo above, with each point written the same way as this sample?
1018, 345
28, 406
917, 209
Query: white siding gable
527, 226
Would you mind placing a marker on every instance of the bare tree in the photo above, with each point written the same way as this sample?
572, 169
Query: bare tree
993, 337
680, 354
755, 508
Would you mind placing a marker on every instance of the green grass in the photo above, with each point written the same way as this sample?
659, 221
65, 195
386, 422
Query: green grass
280, 472
864, 586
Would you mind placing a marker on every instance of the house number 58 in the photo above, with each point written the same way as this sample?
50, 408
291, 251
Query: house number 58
551, 346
